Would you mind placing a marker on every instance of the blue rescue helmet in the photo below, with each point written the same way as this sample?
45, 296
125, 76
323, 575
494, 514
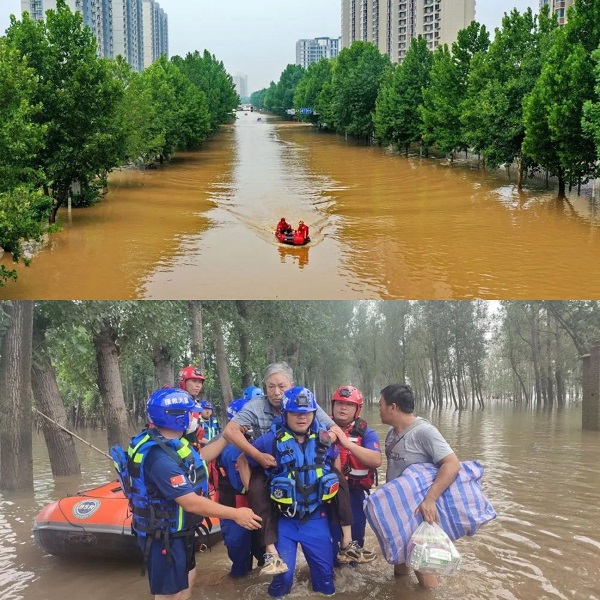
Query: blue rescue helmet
299, 400
170, 408
252, 392
205, 404
234, 407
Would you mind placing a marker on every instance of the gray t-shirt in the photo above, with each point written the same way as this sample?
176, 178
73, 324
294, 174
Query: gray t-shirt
258, 415
420, 443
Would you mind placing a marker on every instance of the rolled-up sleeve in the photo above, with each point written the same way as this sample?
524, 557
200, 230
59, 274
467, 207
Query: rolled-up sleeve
324, 418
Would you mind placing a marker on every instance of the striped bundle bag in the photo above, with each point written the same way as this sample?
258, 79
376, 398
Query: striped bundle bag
462, 508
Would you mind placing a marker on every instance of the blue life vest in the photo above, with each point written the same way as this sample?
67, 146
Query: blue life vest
159, 518
211, 427
303, 480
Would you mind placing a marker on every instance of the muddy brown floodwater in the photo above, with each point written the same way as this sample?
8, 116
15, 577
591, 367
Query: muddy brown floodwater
541, 476
382, 226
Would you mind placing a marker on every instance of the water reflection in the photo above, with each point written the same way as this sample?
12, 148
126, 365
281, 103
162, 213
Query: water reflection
296, 255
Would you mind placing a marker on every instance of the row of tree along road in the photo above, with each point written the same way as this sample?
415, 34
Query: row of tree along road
95, 363
530, 97
68, 118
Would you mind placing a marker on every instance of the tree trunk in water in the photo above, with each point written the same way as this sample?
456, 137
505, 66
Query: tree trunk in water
221, 358
558, 373
520, 175
535, 352
197, 334
61, 446
164, 372
561, 187
518, 376
244, 338
16, 452
62, 194
549, 368
109, 385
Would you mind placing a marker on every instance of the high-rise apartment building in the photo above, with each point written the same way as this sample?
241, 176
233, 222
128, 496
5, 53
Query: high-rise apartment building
128, 31
156, 31
559, 7
241, 85
117, 25
392, 24
313, 50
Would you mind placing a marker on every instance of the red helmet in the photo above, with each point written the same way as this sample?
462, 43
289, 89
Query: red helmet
348, 393
189, 373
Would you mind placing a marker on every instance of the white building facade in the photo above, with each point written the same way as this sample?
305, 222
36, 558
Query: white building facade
313, 50
392, 24
155, 31
241, 85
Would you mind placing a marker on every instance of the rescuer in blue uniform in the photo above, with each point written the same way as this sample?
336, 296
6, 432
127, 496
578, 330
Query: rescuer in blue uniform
300, 486
208, 421
165, 480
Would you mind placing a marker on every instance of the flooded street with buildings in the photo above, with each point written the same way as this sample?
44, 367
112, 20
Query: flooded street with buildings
382, 226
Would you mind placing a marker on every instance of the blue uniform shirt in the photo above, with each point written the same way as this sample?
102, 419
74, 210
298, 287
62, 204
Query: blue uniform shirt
164, 477
370, 440
228, 459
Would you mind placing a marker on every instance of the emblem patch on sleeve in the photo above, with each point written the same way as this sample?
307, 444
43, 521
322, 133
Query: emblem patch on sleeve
178, 480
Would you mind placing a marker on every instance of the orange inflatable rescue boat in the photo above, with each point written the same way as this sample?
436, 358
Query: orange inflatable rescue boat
96, 524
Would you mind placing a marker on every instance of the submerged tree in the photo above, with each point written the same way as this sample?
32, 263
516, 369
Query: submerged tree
77, 97
356, 77
16, 451
397, 117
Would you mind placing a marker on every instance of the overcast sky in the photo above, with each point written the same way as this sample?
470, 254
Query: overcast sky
258, 39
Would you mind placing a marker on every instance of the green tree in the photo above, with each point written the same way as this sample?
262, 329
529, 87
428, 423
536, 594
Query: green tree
470, 41
22, 213
591, 108
181, 113
500, 81
257, 99
78, 99
442, 100
21, 138
440, 111
209, 75
310, 87
356, 78
280, 96
555, 137
397, 117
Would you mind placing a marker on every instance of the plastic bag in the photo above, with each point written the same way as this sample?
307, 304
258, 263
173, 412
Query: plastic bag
430, 550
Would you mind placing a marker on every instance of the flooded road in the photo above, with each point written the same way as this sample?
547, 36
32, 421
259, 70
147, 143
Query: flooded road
541, 476
382, 226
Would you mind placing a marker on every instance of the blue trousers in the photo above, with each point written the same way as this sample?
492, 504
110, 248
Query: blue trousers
313, 536
238, 542
242, 546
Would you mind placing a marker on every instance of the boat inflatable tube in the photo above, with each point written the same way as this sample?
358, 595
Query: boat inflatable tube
96, 524
462, 508
293, 239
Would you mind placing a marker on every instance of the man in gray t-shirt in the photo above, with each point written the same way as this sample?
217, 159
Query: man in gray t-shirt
412, 440
420, 442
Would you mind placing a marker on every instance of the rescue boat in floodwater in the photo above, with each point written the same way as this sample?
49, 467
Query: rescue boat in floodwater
96, 524
293, 239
